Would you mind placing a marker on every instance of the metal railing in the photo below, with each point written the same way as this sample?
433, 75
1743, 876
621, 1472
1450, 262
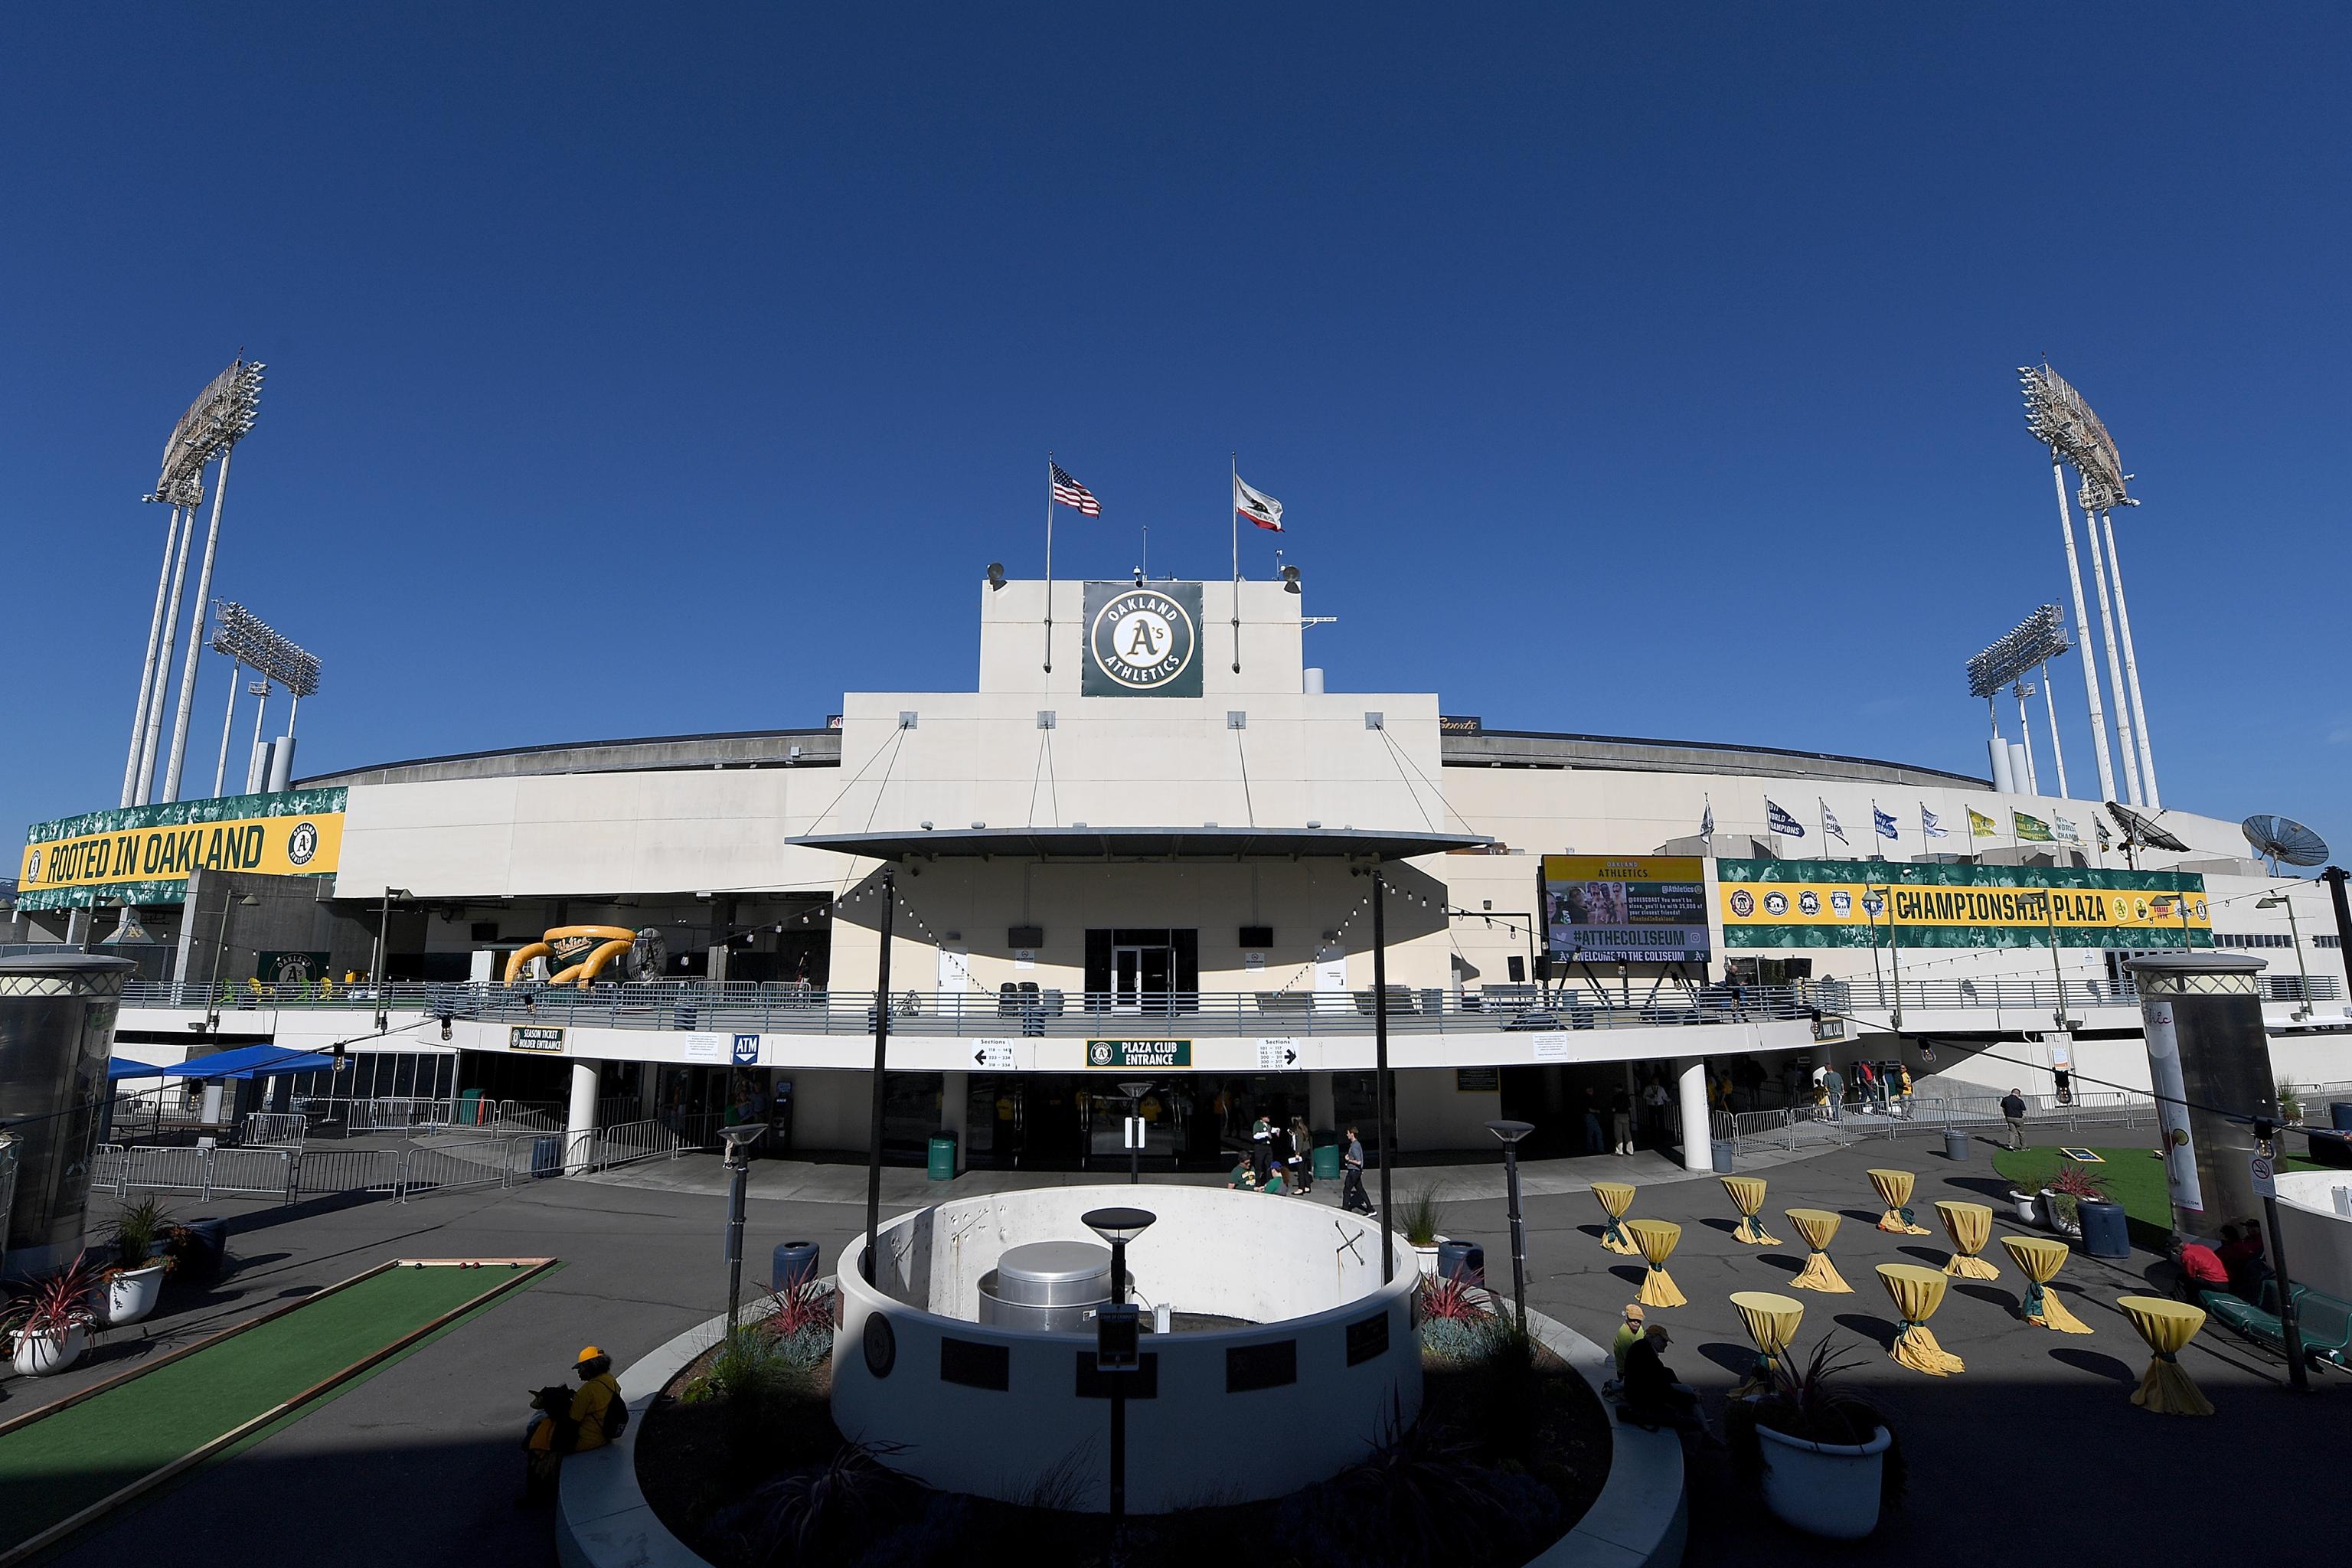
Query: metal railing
2032, 990
792, 1009
264, 1128
632, 1142
291, 1176
1812, 1125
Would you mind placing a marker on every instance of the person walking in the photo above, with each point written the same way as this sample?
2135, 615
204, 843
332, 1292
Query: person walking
1833, 1093
1592, 1138
2012, 1110
1866, 1081
1902, 1080
1351, 1167
1302, 1152
1655, 1101
1621, 1122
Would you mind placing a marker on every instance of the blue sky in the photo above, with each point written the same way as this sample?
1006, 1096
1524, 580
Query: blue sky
1636, 369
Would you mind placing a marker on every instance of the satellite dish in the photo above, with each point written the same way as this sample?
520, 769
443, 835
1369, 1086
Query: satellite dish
2282, 840
648, 955
2141, 832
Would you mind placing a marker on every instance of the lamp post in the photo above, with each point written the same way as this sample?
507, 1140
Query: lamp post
1509, 1133
881, 1048
229, 905
1383, 1092
382, 956
1117, 1355
739, 1164
2295, 933
1135, 1093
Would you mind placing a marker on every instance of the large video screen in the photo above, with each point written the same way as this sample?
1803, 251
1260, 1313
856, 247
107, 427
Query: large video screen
1637, 908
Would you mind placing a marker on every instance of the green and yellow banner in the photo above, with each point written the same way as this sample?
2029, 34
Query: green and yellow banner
2028, 829
1865, 903
143, 853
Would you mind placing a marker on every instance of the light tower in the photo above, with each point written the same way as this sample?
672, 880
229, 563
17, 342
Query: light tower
2030, 644
251, 643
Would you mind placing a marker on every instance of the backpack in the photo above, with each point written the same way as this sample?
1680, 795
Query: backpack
617, 1418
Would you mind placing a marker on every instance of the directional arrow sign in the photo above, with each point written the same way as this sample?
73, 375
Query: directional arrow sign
1276, 1055
992, 1054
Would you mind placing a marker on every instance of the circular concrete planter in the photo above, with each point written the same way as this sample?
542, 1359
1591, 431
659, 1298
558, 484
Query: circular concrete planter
1824, 1488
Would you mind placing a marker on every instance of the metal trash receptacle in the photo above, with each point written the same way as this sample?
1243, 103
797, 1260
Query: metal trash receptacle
940, 1165
1325, 1162
1956, 1143
792, 1263
547, 1155
1463, 1260
2105, 1232
1722, 1156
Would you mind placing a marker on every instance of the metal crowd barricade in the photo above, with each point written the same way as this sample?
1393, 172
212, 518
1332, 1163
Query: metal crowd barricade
323, 1173
631, 1142
264, 1128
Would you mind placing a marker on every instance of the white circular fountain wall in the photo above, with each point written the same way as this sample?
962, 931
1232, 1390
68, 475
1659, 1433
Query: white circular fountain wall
1329, 1364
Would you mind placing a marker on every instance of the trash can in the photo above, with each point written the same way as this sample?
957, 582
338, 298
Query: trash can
1325, 1162
2105, 1232
1722, 1151
794, 1263
547, 1155
2339, 1114
206, 1254
941, 1164
469, 1107
1956, 1143
1463, 1260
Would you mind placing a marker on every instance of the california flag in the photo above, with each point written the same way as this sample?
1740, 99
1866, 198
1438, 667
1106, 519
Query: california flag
1257, 506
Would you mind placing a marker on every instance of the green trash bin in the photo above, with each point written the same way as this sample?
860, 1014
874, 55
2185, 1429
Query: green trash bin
1326, 1161
942, 1165
469, 1107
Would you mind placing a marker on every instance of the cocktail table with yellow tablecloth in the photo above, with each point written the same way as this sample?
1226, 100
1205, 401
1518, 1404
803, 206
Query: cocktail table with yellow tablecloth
1748, 1197
2168, 1326
2039, 1257
1772, 1322
1918, 1290
1817, 1226
1657, 1238
1970, 1226
1615, 1197
1895, 1191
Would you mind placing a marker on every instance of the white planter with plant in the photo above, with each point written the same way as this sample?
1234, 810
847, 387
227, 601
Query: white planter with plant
130, 1294
51, 1319
2027, 1207
1417, 1218
135, 1281
1825, 1459
40, 1353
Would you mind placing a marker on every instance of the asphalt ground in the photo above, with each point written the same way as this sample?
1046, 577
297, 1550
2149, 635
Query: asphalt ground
2036, 1447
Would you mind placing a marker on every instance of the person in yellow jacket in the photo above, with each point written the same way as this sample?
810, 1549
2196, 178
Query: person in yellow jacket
592, 1407
594, 1417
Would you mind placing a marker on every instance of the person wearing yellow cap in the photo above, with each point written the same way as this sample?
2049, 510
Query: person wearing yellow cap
594, 1407
568, 1421
1627, 1332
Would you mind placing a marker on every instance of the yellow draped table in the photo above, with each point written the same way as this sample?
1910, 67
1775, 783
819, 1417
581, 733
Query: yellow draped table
1817, 1226
1917, 1291
2167, 1326
1895, 1191
1615, 1197
1656, 1238
1970, 1226
1772, 1322
2040, 1258
1748, 1197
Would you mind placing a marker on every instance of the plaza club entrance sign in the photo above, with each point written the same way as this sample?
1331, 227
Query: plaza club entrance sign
1155, 1054
1142, 640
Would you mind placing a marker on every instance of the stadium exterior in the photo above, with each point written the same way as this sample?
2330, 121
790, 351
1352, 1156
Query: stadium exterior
1152, 862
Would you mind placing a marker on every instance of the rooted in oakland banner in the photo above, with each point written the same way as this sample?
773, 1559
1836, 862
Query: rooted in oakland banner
1861, 903
143, 853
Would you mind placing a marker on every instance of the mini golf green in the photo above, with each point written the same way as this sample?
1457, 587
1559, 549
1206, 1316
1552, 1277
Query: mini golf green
54, 1466
2132, 1177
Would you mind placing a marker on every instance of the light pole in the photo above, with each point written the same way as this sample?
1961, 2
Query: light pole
383, 955
220, 939
1118, 1353
739, 1164
2295, 932
1509, 1133
1135, 1093
1383, 1092
881, 1049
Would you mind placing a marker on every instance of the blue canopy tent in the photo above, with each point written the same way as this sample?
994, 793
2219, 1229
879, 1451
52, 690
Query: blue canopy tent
251, 1061
123, 1067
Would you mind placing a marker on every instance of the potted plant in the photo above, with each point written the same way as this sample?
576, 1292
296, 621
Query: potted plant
2290, 1103
1825, 1457
1417, 1217
141, 1255
2026, 1205
2063, 1199
52, 1318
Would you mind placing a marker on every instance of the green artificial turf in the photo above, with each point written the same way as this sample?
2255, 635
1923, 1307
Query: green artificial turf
54, 1467
2132, 1177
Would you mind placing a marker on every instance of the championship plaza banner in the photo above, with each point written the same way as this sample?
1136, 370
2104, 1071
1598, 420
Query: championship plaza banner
1866, 904
143, 853
1633, 909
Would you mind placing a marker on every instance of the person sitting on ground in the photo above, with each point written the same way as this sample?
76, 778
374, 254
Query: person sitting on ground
1240, 1175
2200, 1269
1628, 1331
1273, 1182
2240, 1253
1652, 1396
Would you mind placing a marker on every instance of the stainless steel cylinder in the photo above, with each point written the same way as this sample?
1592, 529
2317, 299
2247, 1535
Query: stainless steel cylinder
56, 1031
1054, 1286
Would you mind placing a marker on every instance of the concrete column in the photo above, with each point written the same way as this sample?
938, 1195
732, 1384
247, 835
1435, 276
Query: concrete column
77, 928
955, 1106
580, 1123
1698, 1152
1322, 1112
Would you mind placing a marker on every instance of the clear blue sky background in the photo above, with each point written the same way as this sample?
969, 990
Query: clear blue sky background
1636, 369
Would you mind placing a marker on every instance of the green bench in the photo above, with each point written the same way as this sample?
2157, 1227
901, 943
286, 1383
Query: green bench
2323, 1321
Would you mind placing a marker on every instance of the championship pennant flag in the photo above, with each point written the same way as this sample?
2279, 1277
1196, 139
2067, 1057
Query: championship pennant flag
1779, 821
1980, 825
1707, 826
1257, 506
1831, 827
1883, 823
2064, 830
1931, 825
2029, 829
1069, 492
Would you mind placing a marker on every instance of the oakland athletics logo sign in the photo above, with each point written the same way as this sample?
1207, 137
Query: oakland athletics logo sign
1142, 641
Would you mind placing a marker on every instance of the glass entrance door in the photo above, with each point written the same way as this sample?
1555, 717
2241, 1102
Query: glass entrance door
1143, 978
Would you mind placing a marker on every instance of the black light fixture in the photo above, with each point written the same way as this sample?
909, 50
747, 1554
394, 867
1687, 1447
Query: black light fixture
1290, 579
1509, 1133
995, 574
738, 1142
1117, 1355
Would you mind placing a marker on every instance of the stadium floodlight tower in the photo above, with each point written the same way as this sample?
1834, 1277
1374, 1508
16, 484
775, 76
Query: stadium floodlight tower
2032, 643
2058, 417
221, 416
251, 643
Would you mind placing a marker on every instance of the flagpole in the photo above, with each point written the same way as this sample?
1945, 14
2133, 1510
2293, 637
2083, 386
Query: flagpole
1234, 463
1049, 561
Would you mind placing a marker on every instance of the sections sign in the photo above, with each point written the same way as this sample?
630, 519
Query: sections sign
143, 853
1633, 909
1865, 903
1138, 1053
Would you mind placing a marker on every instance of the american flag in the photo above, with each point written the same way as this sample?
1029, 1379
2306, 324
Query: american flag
1069, 492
